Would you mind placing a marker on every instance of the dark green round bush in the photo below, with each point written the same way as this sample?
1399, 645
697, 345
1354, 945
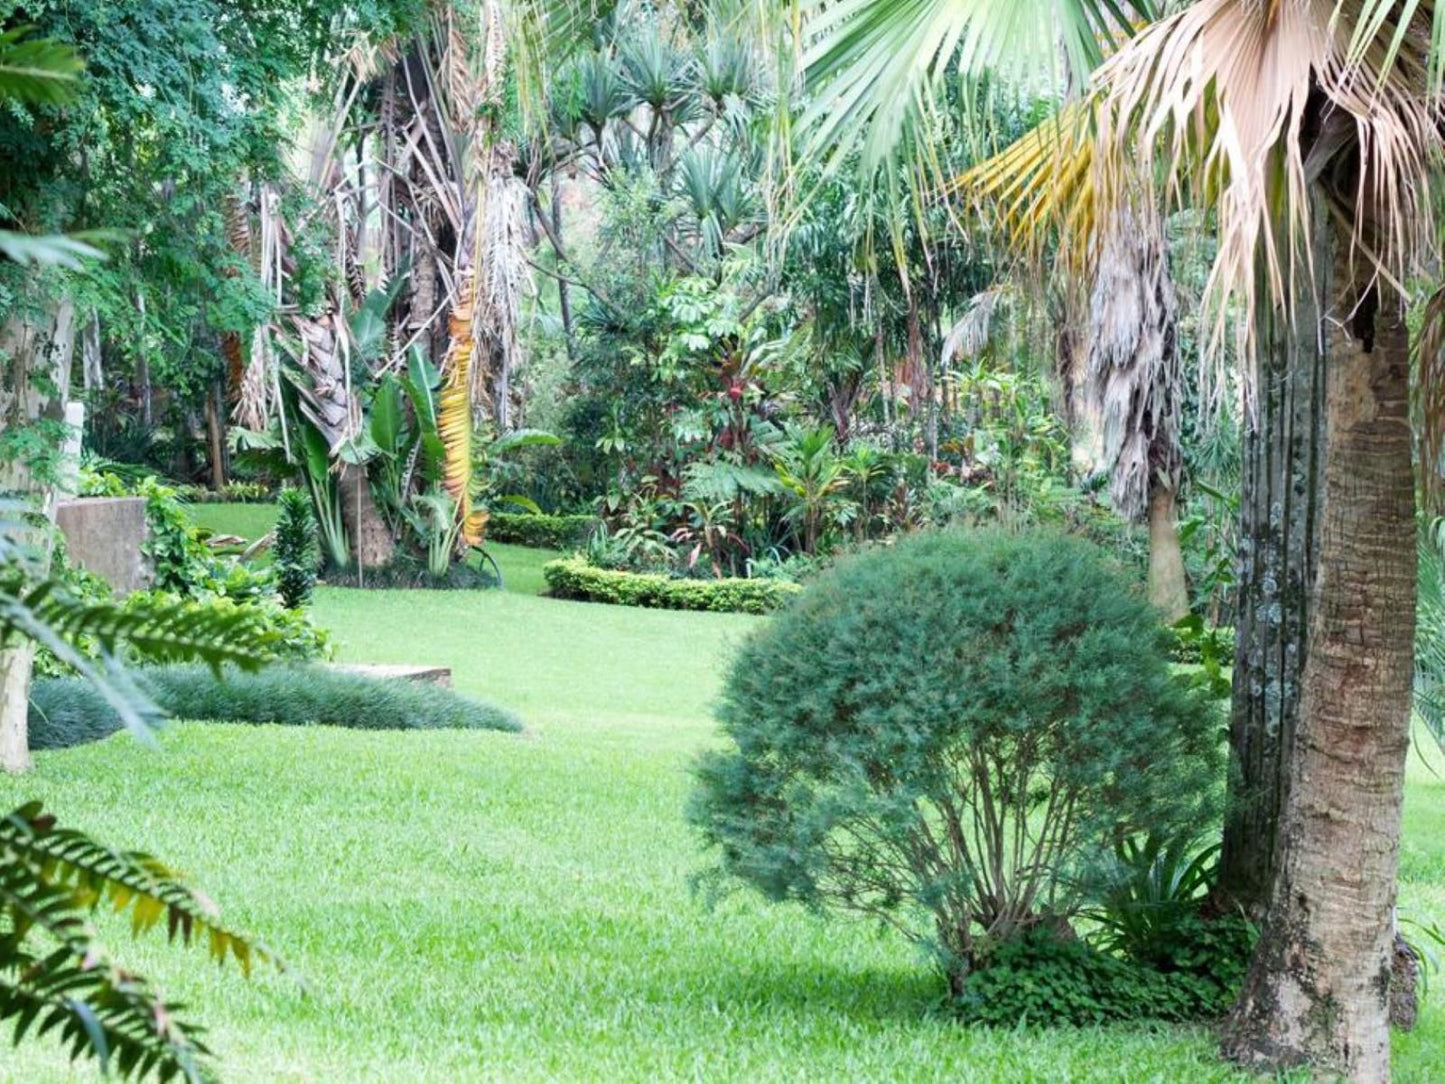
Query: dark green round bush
948, 733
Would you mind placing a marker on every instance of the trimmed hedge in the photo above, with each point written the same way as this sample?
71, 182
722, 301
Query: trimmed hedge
574, 578
68, 711
543, 532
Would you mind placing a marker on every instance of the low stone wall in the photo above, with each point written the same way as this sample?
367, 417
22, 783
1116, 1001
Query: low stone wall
103, 535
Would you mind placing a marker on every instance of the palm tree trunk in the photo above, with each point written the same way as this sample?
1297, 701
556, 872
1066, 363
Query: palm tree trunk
1168, 587
1318, 989
371, 543
1283, 447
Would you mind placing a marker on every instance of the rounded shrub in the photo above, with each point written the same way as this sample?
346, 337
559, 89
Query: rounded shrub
948, 733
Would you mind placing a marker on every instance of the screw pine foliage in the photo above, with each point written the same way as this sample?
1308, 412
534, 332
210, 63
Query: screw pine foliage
296, 550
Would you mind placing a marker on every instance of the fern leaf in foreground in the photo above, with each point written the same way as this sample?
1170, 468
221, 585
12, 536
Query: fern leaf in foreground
54, 975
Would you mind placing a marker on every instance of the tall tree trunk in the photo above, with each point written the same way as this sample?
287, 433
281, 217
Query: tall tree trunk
37, 352
216, 438
1318, 988
1283, 449
564, 295
371, 541
1168, 587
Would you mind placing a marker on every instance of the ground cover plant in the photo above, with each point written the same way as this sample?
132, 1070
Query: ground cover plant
467, 906
69, 711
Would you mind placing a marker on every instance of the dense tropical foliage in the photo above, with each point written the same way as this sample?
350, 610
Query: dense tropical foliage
1002, 352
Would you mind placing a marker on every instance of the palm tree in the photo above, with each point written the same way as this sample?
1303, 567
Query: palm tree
1274, 115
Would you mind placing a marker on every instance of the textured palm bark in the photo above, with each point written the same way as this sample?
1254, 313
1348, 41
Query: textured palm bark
1283, 450
372, 544
1168, 588
1318, 989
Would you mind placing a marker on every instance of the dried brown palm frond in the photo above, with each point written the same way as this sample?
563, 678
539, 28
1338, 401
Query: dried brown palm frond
1134, 360
1241, 105
972, 332
454, 413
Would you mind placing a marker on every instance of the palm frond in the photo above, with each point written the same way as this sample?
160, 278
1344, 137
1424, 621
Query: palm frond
1240, 107
37, 69
1038, 192
1134, 359
875, 65
51, 878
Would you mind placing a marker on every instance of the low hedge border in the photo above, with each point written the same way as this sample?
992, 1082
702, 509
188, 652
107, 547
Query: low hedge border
541, 531
69, 711
574, 578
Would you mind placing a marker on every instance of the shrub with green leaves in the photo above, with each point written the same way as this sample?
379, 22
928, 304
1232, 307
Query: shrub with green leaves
297, 554
948, 734
575, 578
70, 711
540, 530
1045, 979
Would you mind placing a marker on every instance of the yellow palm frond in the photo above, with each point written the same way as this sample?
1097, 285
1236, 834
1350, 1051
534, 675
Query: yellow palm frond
454, 409
1041, 187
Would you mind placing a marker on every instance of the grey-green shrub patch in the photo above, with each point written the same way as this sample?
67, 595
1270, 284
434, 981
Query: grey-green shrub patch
68, 711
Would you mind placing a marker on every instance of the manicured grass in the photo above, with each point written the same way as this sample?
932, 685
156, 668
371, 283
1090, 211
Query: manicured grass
463, 906
521, 566
248, 521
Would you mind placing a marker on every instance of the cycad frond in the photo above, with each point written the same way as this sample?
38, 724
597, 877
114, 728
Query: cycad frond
50, 879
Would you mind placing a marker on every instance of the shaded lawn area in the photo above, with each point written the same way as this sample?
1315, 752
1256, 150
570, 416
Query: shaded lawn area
521, 566
468, 906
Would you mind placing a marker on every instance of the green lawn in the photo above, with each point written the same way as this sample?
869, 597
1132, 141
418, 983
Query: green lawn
470, 906
521, 567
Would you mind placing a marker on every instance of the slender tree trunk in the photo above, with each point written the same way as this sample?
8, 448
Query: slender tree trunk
37, 353
1283, 449
564, 295
216, 439
1168, 587
1318, 989
371, 541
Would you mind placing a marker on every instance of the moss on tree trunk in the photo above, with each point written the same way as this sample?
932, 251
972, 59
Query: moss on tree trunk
1318, 989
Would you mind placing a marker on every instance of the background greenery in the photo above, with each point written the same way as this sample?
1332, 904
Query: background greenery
465, 906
